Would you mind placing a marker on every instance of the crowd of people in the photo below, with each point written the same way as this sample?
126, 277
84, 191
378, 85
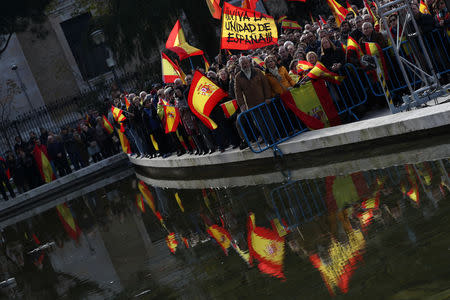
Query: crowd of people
251, 77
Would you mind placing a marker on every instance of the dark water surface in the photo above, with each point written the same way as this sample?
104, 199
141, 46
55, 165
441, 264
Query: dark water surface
378, 234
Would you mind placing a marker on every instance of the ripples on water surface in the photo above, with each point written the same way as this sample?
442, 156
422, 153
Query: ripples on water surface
380, 234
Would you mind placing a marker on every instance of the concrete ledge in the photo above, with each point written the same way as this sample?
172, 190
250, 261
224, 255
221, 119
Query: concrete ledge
357, 132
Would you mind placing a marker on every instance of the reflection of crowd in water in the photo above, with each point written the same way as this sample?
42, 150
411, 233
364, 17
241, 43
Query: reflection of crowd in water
333, 240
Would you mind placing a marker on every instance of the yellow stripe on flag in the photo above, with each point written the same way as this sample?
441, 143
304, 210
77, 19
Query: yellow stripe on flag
155, 144
177, 197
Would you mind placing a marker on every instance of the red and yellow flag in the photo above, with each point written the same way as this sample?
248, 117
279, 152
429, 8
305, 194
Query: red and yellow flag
244, 29
229, 108
214, 8
171, 118
376, 25
322, 20
170, 71
288, 24
321, 72
423, 8
353, 45
203, 97
373, 49
118, 114
281, 18
147, 194
350, 9
178, 44
124, 142
249, 4
312, 104
339, 12
303, 65
140, 203
107, 126
206, 64
68, 221
267, 247
344, 190
221, 236
172, 242
127, 102
259, 61
45, 168
180, 204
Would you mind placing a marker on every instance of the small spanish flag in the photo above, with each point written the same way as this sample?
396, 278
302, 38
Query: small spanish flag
229, 108
68, 221
171, 118
353, 45
178, 44
180, 204
350, 9
281, 18
147, 194
107, 126
288, 24
206, 64
371, 203
127, 102
321, 72
373, 49
172, 242
214, 8
304, 65
221, 236
203, 97
339, 12
424, 8
170, 71
259, 61
124, 142
118, 114
140, 203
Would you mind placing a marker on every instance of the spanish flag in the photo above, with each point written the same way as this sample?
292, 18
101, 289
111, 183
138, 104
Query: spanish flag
372, 15
180, 204
413, 193
214, 8
350, 9
172, 242
312, 103
118, 114
140, 203
127, 102
338, 11
170, 71
304, 65
68, 221
171, 118
288, 24
107, 126
259, 61
344, 190
203, 97
281, 18
229, 108
353, 45
221, 236
322, 20
321, 72
373, 49
423, 8
206, 200
267, 247
143, 188
45, 168
206, 63
124, 142
249, 4
177, 43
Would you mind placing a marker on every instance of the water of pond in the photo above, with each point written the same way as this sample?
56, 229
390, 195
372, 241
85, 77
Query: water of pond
378, 234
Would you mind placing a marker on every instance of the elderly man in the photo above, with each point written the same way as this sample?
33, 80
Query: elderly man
370, 35
252, 88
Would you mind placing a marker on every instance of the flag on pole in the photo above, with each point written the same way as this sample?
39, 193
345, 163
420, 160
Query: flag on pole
288, 24
68, 221
373, 49
267, 247
350, 9
170, 71
221, 236
244, 29
214, 8
312, 103
338, 11
45, 168
206, 64
423, 8
107, 126
203, 97
319, 71
178, 44
376, 25
172, 242
322, 20
229, 108
118, 114
180, 204
281, 18
124, 142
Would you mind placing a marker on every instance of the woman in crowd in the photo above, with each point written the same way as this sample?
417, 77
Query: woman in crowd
331, 57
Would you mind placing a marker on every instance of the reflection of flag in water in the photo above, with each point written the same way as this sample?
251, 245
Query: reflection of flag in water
206, 200
267, 247
147, 194
245, 255
68, 221
180, 204
221, 236
413, 192
39, 255
172, 242
280, 228
345, 190
337, 269
312, 103
365, 218
140, 203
